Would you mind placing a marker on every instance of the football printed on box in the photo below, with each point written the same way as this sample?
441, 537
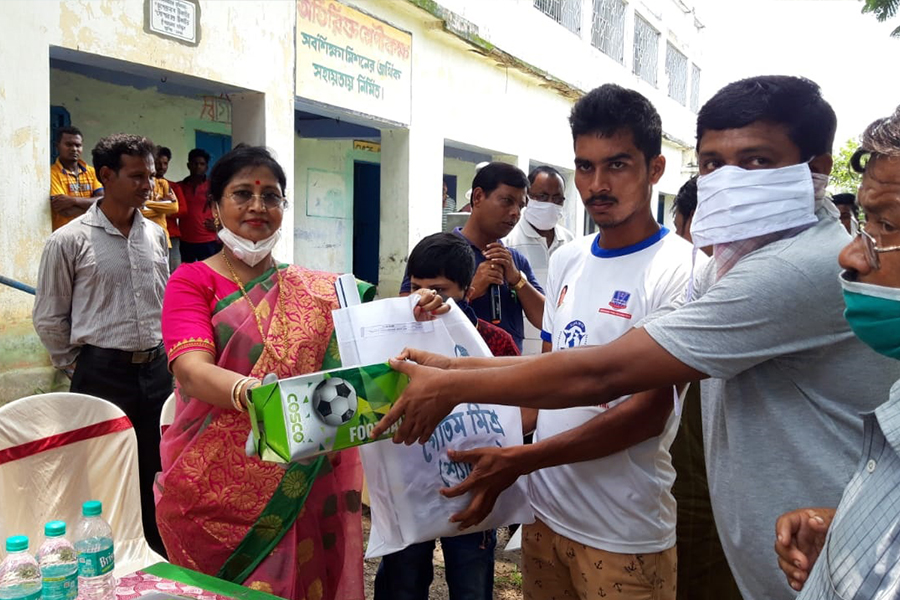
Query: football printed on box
312, 414
335, 401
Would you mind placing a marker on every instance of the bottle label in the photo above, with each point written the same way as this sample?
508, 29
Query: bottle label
61, 588
94, 564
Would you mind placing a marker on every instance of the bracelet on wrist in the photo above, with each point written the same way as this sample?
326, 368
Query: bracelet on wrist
237, 393
520, 283
233, 394
245, 394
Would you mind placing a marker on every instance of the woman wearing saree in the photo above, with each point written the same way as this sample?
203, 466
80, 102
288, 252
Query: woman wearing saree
227, 322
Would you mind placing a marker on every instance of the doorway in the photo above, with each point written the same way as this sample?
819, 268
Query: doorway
366, 220
216, 144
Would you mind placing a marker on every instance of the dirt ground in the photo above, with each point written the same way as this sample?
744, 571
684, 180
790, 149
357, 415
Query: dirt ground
507, 574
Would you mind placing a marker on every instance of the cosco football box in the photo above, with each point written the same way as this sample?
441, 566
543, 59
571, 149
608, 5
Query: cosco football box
322, 412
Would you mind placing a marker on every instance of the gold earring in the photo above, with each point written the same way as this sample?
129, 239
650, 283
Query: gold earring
216, 221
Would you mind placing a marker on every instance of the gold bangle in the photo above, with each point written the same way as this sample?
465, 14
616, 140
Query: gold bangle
521, 283
235, 394
246, 391
243, 397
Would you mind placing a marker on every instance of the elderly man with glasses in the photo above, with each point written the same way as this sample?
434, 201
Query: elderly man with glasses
855, 548
539, 234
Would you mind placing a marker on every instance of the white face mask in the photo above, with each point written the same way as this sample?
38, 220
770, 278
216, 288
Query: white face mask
246, 251
542, 215
737, 204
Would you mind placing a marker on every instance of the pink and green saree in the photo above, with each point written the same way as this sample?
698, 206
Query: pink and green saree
295, 532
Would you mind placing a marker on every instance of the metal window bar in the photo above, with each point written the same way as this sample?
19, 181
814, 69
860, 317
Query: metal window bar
646, 50
695, 88
676, 72
608, 28
565, 12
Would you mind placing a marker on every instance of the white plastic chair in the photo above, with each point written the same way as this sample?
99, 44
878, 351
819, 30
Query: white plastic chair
59, 450
167, 416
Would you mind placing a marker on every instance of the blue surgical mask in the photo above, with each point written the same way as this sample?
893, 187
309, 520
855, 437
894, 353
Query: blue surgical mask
873, 312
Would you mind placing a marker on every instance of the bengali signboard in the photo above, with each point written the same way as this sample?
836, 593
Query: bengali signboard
174, 19
346, 58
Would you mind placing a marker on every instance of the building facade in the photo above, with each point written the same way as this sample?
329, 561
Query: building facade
369, 105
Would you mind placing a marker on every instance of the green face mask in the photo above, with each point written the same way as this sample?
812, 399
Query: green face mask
873, 312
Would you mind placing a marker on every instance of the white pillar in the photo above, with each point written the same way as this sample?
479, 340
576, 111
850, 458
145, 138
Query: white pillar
25, 205
524, 163
268, 120
248, 118
411, 169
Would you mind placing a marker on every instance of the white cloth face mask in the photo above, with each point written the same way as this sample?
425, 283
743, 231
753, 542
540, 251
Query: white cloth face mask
246, 251
542, 215
737, 204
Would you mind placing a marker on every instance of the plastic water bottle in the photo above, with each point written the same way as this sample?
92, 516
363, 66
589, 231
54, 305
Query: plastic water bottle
20, 576
59, 564
94, 544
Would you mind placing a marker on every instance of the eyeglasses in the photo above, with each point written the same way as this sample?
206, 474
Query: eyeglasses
548, 198
870, 245
269, 199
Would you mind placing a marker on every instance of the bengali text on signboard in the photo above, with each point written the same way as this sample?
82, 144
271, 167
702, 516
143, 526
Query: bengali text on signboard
175, 19
346, 58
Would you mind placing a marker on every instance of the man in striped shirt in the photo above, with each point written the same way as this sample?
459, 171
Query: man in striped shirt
856, 548
99, 302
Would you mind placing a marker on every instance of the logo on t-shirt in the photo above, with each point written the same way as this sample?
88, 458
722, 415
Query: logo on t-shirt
620, 300
574, 334
76, 188
460, 350
618, 303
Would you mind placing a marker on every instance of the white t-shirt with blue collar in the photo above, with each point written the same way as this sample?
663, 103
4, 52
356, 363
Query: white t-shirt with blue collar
623, 502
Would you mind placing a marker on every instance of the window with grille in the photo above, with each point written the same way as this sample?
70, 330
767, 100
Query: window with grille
565, 12
608, 29
646, 50
676, 72
695, 88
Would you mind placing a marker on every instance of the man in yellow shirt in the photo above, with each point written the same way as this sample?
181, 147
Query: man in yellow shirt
74, 186
164, 202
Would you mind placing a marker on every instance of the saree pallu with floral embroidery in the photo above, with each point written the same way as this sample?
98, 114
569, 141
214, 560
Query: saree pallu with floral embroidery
295, 532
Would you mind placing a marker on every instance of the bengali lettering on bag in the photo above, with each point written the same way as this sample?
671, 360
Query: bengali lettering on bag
474, 420
348, 59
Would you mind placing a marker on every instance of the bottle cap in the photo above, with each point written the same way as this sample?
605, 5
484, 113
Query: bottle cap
16, 543
55, 529
92, 508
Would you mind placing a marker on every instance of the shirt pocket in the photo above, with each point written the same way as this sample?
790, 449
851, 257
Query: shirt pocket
160, 272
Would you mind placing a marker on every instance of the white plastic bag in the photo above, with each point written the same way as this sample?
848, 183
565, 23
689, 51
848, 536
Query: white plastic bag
405, 481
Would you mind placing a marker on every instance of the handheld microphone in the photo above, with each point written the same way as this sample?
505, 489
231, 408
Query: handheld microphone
495, 304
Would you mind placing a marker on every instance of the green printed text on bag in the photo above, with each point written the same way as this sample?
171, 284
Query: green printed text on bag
94, 564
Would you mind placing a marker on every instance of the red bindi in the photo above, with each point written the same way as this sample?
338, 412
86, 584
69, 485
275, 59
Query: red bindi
257, 182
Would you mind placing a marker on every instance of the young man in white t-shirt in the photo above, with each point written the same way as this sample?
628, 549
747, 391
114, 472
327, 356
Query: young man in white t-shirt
605, 513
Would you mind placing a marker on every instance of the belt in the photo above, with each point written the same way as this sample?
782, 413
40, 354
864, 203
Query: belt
139, 357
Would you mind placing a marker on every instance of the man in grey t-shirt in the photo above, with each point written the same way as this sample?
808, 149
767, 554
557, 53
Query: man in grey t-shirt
765, 324
780, 421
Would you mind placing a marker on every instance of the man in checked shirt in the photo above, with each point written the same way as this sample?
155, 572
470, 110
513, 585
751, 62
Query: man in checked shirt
99, 301
855, 548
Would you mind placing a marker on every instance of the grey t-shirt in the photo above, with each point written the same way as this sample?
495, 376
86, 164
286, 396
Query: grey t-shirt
788, 380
